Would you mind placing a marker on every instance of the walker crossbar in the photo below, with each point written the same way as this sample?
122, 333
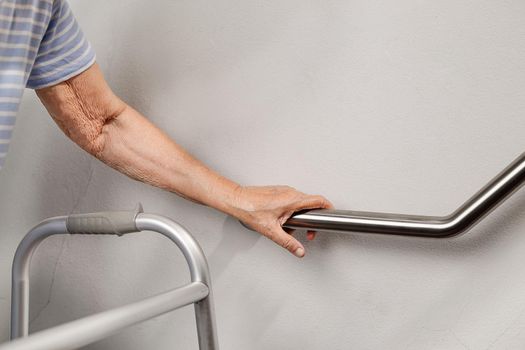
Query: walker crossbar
96, 327
81, 332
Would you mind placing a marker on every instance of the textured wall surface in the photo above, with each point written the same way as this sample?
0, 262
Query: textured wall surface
407, 106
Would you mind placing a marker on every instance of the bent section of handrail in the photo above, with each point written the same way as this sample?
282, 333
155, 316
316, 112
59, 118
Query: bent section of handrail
92, 328
113, 223
473, 210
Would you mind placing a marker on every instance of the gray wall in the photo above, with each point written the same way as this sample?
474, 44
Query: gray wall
406, 106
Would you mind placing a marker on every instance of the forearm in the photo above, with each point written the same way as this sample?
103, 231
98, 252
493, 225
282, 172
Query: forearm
134, 146
90, 114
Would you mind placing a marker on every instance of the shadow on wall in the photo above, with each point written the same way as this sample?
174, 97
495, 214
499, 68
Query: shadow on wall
235, 238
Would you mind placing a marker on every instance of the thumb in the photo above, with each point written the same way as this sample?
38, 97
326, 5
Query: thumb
287, 241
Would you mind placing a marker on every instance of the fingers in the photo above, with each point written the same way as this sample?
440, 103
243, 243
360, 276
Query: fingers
288, 242
310, 235
270, 207
311, 202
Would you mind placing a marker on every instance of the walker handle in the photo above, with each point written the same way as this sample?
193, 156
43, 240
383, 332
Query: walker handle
104, 223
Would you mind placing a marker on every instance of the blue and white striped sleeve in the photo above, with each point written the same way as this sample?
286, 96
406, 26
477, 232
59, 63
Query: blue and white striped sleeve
63, 53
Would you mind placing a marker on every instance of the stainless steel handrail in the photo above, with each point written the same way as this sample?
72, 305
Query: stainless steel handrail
95, 327
473, 210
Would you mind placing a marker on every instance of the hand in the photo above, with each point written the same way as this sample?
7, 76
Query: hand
265, 209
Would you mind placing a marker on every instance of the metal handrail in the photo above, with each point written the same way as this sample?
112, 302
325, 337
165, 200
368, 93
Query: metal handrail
473, 210
96, 327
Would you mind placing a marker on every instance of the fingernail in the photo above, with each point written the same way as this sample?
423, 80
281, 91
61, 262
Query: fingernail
299, 252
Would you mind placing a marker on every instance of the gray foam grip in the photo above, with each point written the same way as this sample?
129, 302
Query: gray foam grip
104, 223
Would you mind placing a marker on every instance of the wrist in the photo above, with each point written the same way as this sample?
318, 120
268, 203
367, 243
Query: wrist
224, 195
239, 204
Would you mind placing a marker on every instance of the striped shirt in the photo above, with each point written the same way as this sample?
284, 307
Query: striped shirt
41, 45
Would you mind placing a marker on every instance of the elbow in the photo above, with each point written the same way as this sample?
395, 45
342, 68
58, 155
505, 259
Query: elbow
97, 135
88, 134
85, 108
95, 145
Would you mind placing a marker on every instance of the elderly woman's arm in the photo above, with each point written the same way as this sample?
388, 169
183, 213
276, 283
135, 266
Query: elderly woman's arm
90, 114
